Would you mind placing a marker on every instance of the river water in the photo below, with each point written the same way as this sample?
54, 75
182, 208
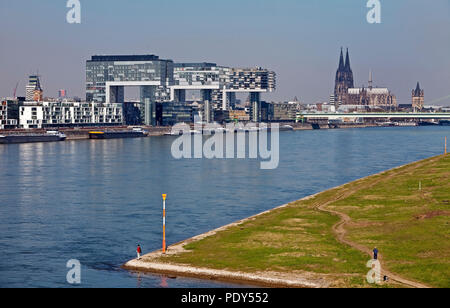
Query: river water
94, 201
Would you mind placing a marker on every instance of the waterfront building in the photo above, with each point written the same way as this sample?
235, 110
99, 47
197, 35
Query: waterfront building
219, 84
249, 80
107, 76
133, 113
69, 114
279, 111
204, 77
9, 113
252, 79
162, 81
3, 114
31, 115
172, 113
284, 112
418, 98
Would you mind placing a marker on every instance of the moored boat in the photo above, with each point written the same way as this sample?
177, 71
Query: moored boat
50, 136
135, 133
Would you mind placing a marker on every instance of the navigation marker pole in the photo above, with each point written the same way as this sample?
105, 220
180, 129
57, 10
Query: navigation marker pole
445, 152
164, 223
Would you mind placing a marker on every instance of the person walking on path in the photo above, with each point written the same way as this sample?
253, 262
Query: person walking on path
139, 252
375, 254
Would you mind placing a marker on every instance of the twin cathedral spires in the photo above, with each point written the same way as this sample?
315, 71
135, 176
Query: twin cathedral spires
344, 77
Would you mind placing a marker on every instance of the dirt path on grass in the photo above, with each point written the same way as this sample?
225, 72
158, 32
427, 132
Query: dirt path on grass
341, 232
154, 262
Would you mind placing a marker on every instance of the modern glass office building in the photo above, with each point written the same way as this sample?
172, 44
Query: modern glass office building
106, 77
164, 81
173, 113
252, 79
198, 74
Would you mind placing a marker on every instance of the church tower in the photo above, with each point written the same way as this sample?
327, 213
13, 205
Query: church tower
418, 98
344, 79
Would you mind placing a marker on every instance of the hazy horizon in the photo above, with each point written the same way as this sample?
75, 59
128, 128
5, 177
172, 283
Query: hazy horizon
299, 40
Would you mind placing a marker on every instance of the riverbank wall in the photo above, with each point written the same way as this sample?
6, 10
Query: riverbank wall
83, 133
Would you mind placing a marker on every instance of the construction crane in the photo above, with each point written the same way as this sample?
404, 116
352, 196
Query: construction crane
15, 90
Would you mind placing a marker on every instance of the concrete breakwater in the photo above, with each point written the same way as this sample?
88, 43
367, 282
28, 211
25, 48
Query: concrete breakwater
151, 263
292, 256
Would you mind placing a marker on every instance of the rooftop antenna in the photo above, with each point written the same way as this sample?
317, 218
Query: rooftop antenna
370, 80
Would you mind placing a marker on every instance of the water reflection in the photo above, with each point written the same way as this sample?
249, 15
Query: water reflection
94, 200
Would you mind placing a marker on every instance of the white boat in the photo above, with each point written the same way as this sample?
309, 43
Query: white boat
286, 128
407, 124
174, 133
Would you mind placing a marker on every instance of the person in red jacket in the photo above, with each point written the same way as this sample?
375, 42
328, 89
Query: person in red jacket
139, 252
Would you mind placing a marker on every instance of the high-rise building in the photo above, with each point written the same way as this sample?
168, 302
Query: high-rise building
34, 90
418, 98
162, 81
106, 77
62, 93
344, 78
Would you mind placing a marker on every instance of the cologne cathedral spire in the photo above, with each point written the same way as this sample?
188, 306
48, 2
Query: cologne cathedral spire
344, 78
347, 63
341, 61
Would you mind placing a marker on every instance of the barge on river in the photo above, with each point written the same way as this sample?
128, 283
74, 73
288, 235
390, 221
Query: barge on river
135, 133
50, 136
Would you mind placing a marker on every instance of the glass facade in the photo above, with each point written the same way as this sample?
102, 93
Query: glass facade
173, 113
252, 79
102, 69
163, 81
199, 74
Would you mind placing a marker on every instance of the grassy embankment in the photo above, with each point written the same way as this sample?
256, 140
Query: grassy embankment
409, 226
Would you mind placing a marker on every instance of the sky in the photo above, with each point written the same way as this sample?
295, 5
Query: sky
299, 39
